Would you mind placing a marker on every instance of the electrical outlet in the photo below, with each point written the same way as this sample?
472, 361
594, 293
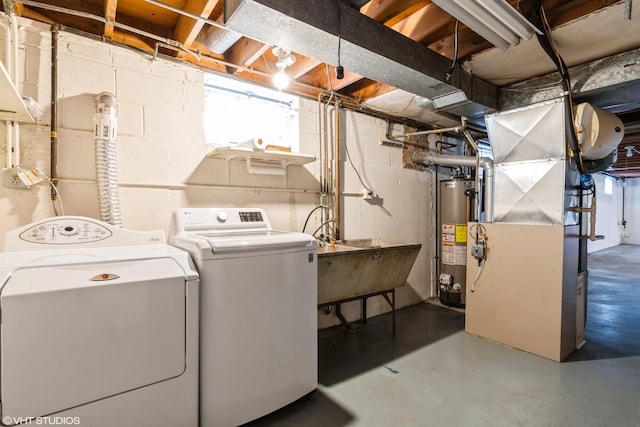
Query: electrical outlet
369, 195
18, 177
478, 252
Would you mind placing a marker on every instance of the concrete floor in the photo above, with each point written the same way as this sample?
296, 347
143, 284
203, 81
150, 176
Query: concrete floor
432, 373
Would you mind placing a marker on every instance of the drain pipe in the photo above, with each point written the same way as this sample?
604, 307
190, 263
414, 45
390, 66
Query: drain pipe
427, 158
105, 123
55, 30
337, 183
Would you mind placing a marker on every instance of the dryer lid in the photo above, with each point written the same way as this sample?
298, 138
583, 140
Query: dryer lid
67, 340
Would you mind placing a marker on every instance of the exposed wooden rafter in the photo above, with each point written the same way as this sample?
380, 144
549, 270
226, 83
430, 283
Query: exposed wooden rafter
420, 20
110, 8
187, 28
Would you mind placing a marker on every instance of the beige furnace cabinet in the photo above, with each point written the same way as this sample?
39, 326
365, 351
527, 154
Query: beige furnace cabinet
525, 296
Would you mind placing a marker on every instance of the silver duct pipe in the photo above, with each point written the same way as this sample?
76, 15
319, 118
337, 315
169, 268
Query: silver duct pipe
309, 27
105, 124
427, 158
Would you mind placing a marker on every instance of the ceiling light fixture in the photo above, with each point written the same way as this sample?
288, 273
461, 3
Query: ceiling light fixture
495, 20
285, 59
630, 150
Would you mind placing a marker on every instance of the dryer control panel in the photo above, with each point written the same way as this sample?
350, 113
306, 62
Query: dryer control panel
65, 231
75, 231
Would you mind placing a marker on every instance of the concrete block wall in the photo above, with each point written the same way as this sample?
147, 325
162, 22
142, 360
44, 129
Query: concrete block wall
17, 206
162, 162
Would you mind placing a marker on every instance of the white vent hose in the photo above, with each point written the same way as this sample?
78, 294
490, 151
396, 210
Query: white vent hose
105, 129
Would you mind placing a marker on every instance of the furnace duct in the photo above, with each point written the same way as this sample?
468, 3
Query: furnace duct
535, 179
105, 123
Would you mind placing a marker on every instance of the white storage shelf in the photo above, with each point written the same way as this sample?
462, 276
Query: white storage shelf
12, 106
264, 162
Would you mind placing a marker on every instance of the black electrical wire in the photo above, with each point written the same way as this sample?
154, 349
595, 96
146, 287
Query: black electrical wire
339, 68
449, 73
539, 20
366, 187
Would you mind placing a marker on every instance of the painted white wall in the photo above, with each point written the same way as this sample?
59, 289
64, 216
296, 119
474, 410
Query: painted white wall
631, 234
608, 214
162, 163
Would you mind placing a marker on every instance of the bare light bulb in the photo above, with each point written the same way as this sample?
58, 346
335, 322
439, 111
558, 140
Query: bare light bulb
280, 79
630, 149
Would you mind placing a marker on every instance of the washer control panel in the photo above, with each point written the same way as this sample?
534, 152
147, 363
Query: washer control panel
219, 220
65, 231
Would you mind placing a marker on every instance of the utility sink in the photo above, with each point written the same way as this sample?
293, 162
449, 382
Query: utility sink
357, 268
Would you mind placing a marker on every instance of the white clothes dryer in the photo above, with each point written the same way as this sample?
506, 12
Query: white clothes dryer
99, 327
258, 312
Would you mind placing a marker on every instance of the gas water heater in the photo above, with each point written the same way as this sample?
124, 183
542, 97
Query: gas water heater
457, 201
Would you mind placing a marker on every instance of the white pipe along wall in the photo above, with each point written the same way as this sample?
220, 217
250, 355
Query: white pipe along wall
162, 158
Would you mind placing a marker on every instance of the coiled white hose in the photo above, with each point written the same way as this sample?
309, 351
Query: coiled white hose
105, 123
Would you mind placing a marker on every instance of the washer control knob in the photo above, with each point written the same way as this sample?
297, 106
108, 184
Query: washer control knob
222, 216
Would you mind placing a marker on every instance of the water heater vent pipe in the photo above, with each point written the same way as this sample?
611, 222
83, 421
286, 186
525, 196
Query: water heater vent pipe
428, 158
105, 124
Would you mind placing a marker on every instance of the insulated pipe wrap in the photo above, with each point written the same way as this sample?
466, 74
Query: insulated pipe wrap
105, 123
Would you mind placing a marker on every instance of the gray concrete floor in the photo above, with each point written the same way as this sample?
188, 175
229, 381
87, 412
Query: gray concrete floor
432, 373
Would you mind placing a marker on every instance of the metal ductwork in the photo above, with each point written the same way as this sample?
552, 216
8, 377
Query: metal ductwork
368, 48
217, 39
428, 158
535, 183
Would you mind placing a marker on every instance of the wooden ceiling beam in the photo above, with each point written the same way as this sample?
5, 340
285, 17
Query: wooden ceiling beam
18, 9
205, 61
245, 52
131, 40
327, 80
427, 25
406, 13
110, 7
294, 88
302, 66
187, 29
390, 12
367, 89
26, 12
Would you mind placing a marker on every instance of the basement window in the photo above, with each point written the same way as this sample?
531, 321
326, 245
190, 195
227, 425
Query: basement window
237, 111
608, 185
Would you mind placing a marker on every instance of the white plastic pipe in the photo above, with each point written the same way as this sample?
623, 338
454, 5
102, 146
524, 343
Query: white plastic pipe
16, 82
428, 158
8, 54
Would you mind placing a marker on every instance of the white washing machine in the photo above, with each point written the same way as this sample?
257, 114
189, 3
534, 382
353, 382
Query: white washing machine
258, 312
99, 327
